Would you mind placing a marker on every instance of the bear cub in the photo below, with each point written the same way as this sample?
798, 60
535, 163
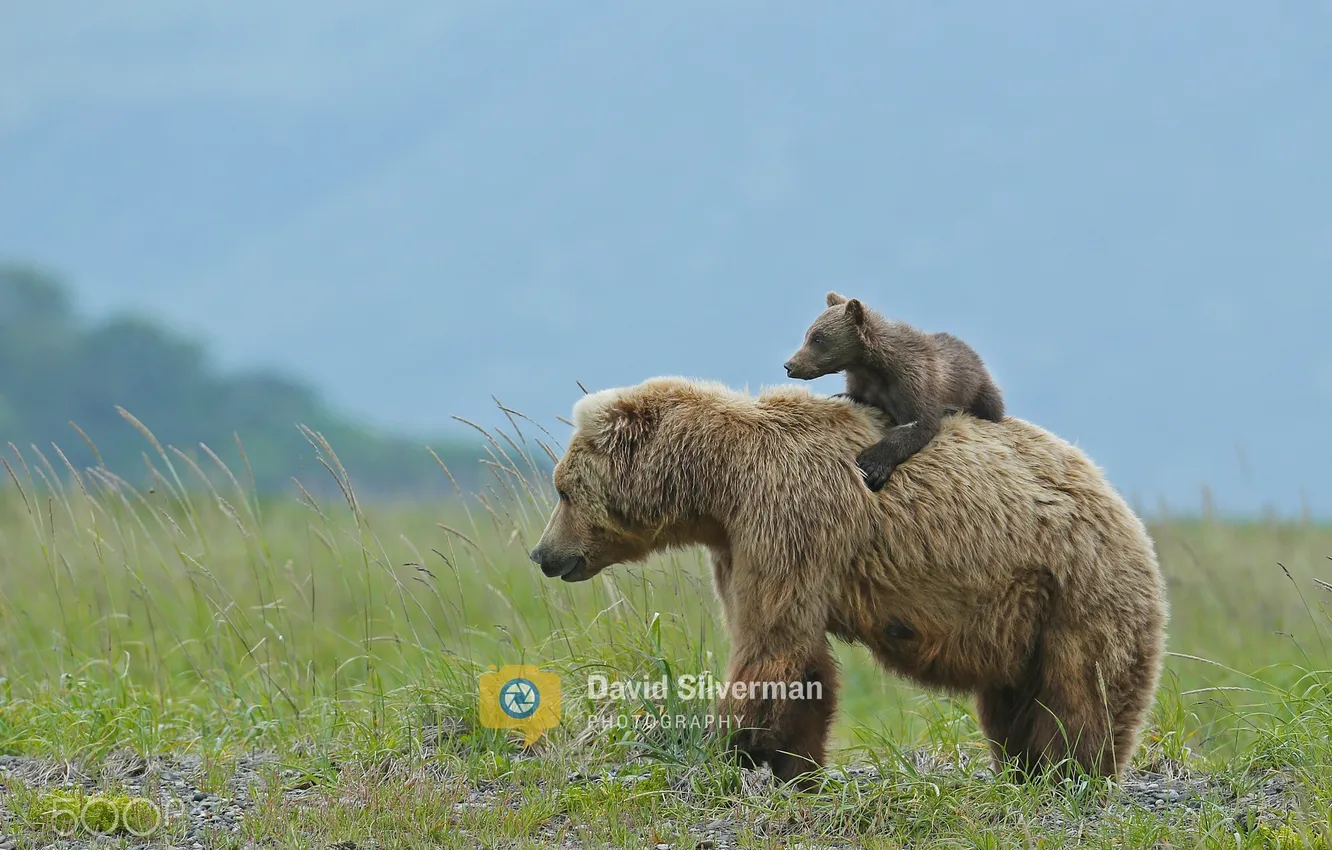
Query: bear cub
914, 377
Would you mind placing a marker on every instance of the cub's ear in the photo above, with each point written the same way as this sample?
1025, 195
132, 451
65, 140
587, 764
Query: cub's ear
856, 311
834, 299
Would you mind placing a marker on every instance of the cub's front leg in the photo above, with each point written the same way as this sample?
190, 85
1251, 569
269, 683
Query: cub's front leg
878, 462
918, 416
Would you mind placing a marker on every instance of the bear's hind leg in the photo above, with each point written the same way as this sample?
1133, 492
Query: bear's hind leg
1004, 714
1070, 720
1070, 740
988, 403
1137, 692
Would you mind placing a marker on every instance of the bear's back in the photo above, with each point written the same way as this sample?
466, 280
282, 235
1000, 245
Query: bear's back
980, 495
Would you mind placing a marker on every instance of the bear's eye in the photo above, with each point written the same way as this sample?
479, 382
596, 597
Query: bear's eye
564, 497
816, 338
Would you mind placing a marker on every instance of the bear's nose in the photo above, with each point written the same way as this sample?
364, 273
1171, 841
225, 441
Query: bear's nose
560, 567
556, 566
788, 367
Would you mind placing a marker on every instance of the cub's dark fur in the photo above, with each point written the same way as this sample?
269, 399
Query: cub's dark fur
912, 376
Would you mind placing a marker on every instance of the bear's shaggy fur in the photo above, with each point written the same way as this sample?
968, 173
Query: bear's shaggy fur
996, 561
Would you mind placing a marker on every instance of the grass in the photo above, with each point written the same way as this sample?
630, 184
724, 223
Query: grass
343, 642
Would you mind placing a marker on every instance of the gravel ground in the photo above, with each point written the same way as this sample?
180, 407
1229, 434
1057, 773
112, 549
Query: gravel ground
195, 817
201, 819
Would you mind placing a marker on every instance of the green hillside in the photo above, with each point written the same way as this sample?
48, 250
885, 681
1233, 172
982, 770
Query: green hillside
58, 371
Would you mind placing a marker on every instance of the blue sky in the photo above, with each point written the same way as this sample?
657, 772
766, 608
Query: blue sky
1127, 210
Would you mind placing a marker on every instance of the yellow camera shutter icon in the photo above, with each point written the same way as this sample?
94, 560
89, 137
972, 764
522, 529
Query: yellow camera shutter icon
518, 696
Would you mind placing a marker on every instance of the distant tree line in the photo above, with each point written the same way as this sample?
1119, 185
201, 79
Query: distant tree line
56, 369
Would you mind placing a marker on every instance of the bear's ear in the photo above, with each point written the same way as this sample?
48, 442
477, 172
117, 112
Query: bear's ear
834, 299
627, 424
856, 311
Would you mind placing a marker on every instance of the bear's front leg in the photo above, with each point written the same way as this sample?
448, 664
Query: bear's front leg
779, 710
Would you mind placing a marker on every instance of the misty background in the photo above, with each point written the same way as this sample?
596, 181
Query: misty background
406, 208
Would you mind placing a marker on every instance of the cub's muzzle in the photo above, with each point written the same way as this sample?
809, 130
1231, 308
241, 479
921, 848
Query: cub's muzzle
798, 371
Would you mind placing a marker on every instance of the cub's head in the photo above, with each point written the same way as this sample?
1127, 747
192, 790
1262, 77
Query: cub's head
610, 507
833, 343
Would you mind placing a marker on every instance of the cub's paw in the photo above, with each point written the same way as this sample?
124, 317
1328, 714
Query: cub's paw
874, 469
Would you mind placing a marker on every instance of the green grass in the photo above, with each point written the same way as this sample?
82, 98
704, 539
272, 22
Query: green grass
346, 639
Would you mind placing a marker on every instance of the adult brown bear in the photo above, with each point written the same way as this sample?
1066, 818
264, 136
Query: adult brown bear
997, 561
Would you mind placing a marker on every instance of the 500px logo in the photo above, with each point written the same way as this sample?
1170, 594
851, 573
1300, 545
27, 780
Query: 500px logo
66, 814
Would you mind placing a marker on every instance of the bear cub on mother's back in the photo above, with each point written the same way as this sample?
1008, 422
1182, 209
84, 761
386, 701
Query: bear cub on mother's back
914, 377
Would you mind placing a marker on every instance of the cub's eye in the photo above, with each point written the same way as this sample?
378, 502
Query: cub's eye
564, 497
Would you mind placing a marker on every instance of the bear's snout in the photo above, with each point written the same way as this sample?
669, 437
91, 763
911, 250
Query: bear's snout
557, 566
